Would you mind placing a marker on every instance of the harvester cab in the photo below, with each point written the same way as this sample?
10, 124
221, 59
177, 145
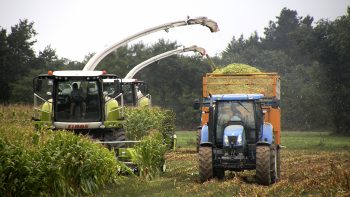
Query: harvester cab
236, 138
79, 101
135, 92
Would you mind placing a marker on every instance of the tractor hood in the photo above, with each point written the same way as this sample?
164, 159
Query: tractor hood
233, 135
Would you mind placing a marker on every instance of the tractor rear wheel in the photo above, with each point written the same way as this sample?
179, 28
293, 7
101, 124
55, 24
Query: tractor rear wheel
263, 165
278, 155
205, 163
273, 165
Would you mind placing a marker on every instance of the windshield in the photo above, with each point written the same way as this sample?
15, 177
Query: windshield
234, 111
129, 92
77, 100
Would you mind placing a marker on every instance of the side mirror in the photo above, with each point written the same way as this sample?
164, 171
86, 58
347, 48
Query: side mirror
118, 86
37, 83
196, 104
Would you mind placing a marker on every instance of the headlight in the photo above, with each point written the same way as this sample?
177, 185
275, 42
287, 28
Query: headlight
239, 140
226, 140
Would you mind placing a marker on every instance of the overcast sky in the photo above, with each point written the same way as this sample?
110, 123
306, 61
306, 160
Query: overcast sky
75, 28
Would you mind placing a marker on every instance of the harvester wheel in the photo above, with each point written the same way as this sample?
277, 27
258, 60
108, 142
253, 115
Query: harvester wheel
219, 173
263, 165
115, 135
205, 163
120, 136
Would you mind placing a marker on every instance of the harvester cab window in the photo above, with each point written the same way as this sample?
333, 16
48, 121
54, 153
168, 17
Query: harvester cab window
77, 100
142, 88
43, 87
109, 90
128, 92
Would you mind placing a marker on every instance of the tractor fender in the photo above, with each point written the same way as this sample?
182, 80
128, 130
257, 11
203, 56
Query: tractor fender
267, 134
205, 136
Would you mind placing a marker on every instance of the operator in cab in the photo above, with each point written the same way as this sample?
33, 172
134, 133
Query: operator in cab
77, 100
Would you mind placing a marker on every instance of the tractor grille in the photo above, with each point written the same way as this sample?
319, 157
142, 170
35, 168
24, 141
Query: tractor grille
232, 139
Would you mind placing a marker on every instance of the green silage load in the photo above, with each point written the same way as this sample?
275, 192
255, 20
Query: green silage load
236, 68
224, 81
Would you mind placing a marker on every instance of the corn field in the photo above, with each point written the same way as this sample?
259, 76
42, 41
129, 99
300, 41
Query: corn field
313, 164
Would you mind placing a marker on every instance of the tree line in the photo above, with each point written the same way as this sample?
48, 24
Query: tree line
313, 59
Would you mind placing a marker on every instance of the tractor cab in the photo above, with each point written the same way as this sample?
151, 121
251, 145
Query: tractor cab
135, 92
237, 116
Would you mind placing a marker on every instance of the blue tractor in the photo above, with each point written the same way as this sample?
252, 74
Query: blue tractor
236, 138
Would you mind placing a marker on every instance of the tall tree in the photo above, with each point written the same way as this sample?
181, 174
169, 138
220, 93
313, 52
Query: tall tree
333, 52
285, 50
16, 55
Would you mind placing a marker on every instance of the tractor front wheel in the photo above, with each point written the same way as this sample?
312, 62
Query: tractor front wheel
205, 163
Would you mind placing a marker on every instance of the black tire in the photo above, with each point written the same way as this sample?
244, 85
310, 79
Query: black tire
205, 163
198, 139
219, 173
120, 136
263, 165
273, 164
115, 135
278, 163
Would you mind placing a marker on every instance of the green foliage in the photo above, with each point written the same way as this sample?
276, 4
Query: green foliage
55, 163
20, 64
65, 164
150, 155
333, 55
154, 127
74, 165
312, 63
141, 121
236, 68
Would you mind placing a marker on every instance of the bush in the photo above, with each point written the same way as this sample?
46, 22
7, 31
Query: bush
140, 121
150, 155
